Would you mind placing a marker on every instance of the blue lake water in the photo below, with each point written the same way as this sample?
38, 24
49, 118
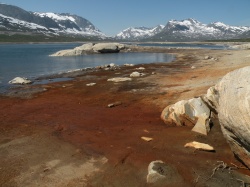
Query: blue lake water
33, 60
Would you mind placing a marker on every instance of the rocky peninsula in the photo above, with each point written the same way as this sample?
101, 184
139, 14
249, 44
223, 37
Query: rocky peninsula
93, 131
91, 48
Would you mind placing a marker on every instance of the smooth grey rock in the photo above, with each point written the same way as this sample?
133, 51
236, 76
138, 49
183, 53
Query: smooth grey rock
20, 80
233, 93
108, 47
136, 74
119, 79
91, 48
85, 47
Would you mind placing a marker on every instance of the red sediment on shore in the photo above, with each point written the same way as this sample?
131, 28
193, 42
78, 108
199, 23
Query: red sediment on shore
78, 114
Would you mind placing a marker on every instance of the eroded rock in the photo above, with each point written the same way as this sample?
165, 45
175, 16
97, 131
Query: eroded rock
185, 112
90, 48
200, 146
233, 93
212, 98
202, 125
136, 74
108, 47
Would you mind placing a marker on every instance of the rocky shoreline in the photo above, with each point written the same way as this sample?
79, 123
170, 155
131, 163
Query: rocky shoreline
96, 130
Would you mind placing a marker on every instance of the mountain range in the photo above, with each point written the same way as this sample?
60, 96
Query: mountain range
15, 20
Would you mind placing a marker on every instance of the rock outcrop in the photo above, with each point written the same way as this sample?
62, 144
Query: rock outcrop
108, 47
233, 97
230, 99
20, 80
212, 98
136, 74
188, 113
90, 48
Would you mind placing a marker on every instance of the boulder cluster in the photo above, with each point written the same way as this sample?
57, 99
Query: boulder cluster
230, 99
90, 48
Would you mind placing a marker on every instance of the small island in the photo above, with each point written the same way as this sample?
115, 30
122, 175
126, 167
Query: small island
92, 48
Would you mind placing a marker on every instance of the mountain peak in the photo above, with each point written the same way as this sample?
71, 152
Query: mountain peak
135, 33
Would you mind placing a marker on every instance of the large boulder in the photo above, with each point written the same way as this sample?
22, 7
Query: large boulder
90, 48
85, 47
108, 47
233, 96
186, 112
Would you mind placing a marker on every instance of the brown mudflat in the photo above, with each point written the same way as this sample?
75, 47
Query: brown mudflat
68, 136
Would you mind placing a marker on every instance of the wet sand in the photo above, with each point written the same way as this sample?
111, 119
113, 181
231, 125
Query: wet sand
64, 134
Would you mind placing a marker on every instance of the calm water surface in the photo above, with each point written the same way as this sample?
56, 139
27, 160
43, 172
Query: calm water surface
33, 60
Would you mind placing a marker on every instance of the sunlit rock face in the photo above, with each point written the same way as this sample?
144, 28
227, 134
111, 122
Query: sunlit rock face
233, 93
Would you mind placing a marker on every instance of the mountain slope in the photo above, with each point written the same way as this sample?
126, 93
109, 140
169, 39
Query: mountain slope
18, 21
15, 19
184, 30
138, 33
193, 30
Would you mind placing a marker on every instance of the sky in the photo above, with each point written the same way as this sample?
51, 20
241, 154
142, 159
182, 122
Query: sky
113, 16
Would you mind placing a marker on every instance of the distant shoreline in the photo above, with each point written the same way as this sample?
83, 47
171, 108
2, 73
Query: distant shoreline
126, 42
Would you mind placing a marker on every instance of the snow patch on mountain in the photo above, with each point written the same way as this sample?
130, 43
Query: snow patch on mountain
15, 19
193, 30
189, 26
220, 25
56, 17
16, 22
75, 28
139, 32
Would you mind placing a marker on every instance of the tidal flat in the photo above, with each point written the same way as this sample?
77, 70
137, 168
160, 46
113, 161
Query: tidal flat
64, 133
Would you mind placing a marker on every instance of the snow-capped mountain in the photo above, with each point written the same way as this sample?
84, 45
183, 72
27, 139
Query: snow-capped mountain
184, 30
193, 30
139, 33
15, 19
